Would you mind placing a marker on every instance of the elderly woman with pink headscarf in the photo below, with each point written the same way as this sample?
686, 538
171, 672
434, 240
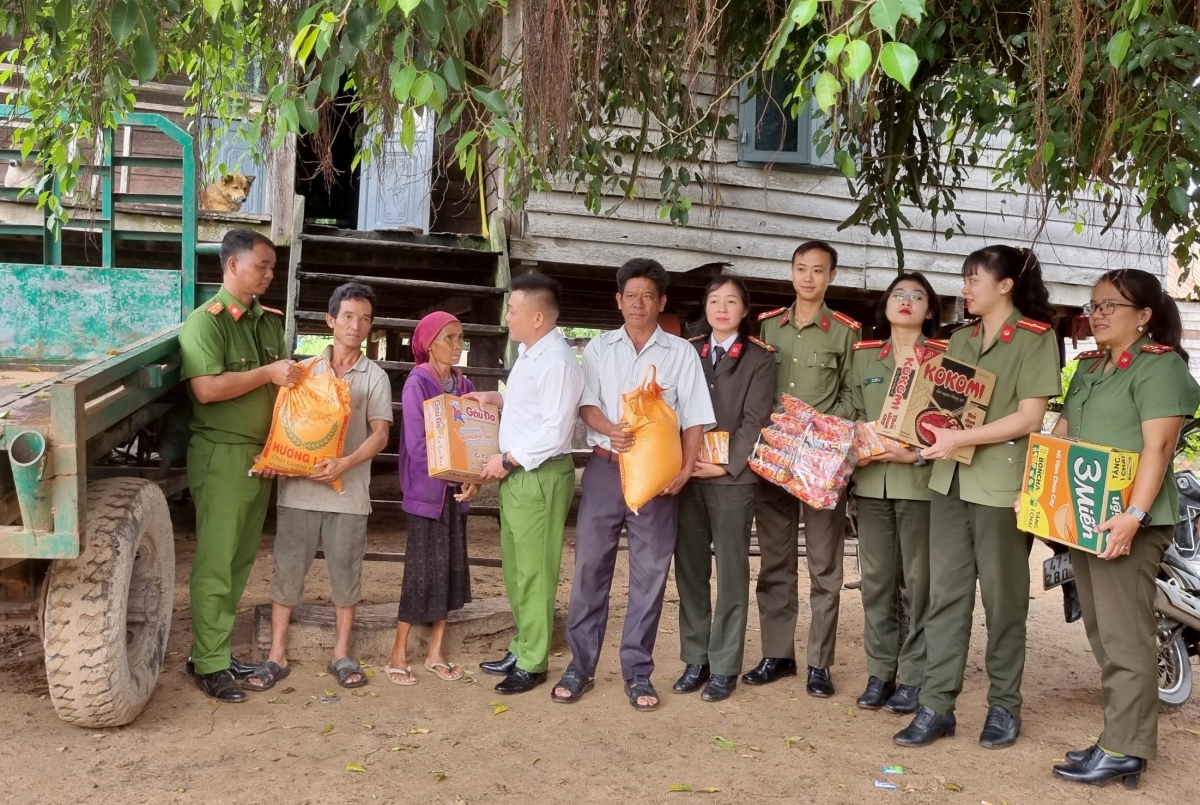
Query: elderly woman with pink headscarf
436, 578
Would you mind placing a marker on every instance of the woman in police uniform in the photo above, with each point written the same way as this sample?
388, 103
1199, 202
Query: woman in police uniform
973, 530
1132, 393
716, 506
892, 492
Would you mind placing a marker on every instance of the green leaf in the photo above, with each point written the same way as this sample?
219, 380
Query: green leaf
899, 61
407, 6
145, 59
826, 89
122, 19
1179, 200
422, 89
402, 82
454, 73
1118, 46
679, 788
308, 116
213, 7
355, 767
432, 15
858, 59
803, 11
885, 14
361, 23
331, 74
491, 99
777, 47
834, 47
913, 9
289, 115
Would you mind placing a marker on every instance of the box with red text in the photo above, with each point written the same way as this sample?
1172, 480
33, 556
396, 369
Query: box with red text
460, 435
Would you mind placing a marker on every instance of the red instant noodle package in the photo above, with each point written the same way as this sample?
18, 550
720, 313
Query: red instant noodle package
809, 454
868, 443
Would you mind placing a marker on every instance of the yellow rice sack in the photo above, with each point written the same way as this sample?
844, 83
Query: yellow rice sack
309, 424
657, 453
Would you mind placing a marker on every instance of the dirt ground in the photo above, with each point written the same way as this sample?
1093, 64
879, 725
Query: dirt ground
444, 742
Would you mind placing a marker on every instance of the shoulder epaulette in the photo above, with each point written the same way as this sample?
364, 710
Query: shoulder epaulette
1157, 349
846, 320
869, 344
276, 311
771, 313
1038, 327
1095, 353
698, 337
938, 344
763, 344
216, 307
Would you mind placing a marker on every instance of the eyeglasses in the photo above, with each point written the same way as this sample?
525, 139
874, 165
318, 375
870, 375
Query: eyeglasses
910, 296
1107, 307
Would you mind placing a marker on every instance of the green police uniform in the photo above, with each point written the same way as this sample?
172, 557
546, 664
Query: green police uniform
812, 363
1108, 406
893, 531
973, 530
225, 336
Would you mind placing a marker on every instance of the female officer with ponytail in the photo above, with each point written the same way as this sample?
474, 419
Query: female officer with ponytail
973, 531
1132, 393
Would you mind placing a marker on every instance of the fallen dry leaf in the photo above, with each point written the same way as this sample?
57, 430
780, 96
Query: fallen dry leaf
286, 691
953, 787
755, 749
331, 693
712, 789
794, 739
535, 760
499, 709
724, 743
459, 800
354, 767
418, 731
374, 695
366, 725
275, 700
328, 728
1194, 732
438, 775
678, 787
369, 673
358, 693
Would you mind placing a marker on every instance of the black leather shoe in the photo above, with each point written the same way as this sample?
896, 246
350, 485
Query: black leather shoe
221, 686
693, 677
1072, 611
719, 688
1098, 768
1000, 730
905, 700
877, 693
1077, 755
820, 683
502, 667
520, 681
926, 727
238, 667
770, 669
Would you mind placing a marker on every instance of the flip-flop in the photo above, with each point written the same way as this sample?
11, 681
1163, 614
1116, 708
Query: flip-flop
432, 667
344, 668
574, 682
406, 672
268, 673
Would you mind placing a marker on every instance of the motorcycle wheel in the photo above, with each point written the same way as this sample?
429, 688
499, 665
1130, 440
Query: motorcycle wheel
1174, 666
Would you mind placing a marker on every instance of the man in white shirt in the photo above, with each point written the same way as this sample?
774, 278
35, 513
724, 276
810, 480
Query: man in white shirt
613, 365
536, 474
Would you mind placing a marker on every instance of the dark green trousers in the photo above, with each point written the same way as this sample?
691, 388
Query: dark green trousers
714, 519
969, 542
230, 508
1117, 598
893, 544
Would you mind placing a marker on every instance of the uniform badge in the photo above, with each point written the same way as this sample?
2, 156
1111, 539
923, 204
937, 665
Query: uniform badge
846, 320
1007, 332
1125, 359
704, 350
1033, 325
869, 344
1157, 349
824, 323
772, 313
236, 312
735, 350
764, 345
216, 307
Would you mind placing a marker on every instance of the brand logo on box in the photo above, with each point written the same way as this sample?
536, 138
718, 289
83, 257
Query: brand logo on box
954, 381
479, 414
902, 384
1085, 475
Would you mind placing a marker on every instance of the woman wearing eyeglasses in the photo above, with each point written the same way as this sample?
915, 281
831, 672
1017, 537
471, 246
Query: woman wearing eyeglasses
1132, 393
973, 531
892, 493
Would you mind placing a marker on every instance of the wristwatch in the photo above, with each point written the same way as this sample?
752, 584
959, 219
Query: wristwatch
1142, 517
508, 464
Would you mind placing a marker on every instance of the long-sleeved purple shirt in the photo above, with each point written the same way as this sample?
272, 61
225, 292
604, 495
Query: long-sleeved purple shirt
423, 496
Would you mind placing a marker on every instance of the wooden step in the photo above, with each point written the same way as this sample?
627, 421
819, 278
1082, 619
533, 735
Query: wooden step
401, 282
350, 239
407, 325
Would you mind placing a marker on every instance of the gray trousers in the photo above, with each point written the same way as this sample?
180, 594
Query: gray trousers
778, 517
602, 513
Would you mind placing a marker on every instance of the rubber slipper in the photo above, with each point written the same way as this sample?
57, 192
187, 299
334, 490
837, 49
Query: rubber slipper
433, 668
346, 667
268, 673
405, 672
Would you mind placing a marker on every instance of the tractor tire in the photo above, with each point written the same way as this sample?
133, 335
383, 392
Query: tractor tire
108, 612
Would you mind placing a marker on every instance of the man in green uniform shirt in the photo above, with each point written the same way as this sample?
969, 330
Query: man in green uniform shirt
234, 357
812, 363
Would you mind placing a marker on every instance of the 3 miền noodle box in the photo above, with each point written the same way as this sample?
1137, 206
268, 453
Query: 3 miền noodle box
460, 435
1071, 487
929, 389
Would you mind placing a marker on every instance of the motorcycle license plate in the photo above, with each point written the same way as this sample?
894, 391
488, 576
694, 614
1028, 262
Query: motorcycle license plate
1057, 570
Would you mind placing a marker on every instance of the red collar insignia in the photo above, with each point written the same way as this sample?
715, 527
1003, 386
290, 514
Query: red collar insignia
887, 350
975, 332
1007, 332
735, 350
704, 350
236, 312
825, 323
1125, 359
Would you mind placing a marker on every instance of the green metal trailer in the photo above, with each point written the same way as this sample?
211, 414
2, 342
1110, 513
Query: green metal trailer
93, 422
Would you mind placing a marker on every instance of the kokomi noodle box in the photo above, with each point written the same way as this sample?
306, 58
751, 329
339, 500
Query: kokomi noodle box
929, 389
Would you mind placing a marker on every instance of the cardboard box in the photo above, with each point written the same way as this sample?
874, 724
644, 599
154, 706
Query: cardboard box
931, 389
715, 447
460, 435
1073, 486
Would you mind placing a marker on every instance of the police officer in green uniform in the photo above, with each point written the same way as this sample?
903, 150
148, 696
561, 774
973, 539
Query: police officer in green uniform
973, 531
812, 363
892, 492
1134, 393
716, 507
234, 358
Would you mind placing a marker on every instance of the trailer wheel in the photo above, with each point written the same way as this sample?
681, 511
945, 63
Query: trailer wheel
108, 612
